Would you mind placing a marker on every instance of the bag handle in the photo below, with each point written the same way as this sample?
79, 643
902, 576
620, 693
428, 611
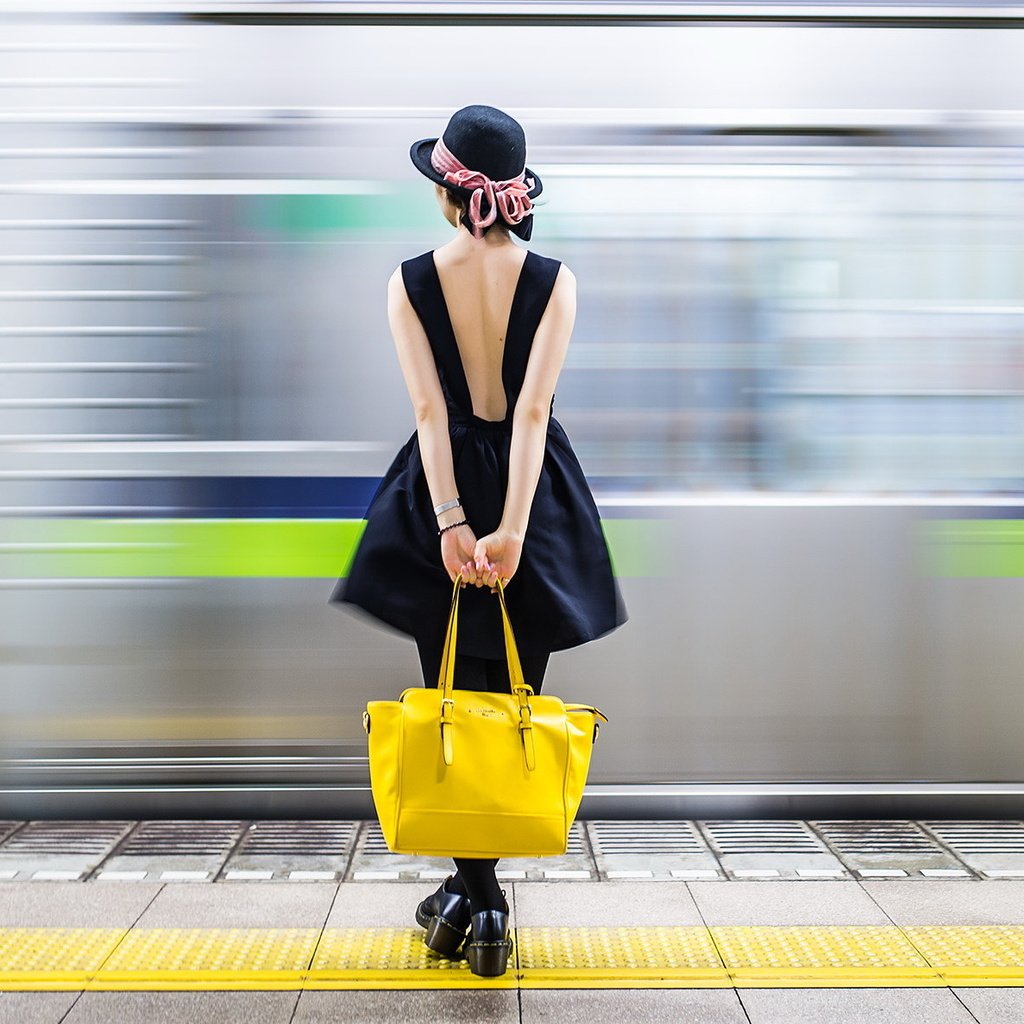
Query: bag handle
446, 680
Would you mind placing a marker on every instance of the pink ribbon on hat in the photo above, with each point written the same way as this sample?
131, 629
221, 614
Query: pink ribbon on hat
510, 195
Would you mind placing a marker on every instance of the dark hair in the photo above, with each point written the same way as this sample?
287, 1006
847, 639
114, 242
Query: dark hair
462, 203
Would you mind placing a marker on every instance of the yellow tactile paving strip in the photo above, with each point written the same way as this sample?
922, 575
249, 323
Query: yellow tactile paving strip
41, 959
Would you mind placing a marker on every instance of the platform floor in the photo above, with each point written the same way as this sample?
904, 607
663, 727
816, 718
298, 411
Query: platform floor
765, 952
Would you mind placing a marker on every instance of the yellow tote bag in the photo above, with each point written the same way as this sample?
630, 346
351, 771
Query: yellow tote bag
465, 773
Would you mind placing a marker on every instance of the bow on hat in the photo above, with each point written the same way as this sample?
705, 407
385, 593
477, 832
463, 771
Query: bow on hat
509, 195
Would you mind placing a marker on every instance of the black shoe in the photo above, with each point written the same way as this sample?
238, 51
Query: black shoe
488, 945
446, 916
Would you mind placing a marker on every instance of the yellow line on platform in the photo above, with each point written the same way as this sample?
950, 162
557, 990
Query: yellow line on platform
832, 956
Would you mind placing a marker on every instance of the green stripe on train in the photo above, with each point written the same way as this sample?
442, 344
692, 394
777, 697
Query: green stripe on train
295, 548
973, 547
405, 209
322, 548
400, 207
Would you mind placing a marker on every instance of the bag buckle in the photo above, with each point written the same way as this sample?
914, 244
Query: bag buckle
526, 735
447, 709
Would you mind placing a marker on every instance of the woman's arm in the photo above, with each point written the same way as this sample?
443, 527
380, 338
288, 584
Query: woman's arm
420, 373
533, 407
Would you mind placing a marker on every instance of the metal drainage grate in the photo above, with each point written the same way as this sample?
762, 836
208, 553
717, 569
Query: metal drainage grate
762, 837
644, 837
577, 845
182, 837
866, 837
52, 838
373, 839
968, 837
297, 838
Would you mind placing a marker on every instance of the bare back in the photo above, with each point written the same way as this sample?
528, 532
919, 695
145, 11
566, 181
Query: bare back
478, 292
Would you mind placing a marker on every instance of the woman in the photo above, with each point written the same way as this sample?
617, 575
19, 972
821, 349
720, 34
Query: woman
488, 484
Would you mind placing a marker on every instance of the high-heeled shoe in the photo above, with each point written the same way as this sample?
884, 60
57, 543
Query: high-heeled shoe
488, 944
446, 916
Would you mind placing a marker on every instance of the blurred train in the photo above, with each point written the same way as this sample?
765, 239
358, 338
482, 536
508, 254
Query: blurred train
796, 385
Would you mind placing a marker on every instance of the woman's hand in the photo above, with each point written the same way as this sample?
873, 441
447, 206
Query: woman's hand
457, 548
496, 556
481, 562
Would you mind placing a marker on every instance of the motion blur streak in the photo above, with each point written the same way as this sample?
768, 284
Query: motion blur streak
796, 381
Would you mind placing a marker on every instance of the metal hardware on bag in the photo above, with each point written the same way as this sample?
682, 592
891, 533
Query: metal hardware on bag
597, 728
589, 708
366, 722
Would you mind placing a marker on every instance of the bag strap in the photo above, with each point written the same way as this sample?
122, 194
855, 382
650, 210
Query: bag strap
446, 680
522, 690
446, 677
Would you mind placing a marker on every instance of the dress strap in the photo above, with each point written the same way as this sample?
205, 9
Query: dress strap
532, 302
427, 300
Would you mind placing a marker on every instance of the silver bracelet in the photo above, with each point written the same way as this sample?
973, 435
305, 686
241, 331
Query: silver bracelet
444, 506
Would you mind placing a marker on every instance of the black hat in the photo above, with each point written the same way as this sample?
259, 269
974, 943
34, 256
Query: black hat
487, 140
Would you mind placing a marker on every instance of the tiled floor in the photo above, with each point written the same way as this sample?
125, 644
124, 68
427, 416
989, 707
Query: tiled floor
693, 1006
626, 904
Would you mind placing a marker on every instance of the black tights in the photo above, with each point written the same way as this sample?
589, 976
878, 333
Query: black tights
474, 876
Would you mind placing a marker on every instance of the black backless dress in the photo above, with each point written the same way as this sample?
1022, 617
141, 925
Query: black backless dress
564, 592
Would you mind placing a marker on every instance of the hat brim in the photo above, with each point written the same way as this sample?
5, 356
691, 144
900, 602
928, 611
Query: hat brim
419, 153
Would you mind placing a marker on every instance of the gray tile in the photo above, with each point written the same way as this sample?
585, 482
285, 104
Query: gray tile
35, 1007
388, 904
615, 904
73, 904
268, 905
183, 1007
787, 903
993, 1005
853, 1006
426, 1006
995, 901
615, 1005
